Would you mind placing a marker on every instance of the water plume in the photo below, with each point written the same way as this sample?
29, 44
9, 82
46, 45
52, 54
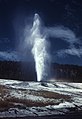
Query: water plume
39, 44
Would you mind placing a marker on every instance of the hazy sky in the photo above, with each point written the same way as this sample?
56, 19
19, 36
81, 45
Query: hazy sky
61, 18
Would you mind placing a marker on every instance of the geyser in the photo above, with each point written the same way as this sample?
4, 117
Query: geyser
35, 40
39, 49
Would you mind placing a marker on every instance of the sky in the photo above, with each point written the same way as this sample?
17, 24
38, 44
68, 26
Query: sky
62, 20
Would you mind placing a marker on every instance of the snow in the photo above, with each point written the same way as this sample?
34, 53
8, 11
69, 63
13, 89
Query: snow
29, 97
15, 112
64, 105
74, 90
5, 82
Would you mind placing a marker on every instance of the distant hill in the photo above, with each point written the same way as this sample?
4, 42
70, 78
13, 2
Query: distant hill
17, 70
26, 71
67, 72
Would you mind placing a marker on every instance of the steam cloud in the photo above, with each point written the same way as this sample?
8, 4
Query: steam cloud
9, 56
68, 36
39, 43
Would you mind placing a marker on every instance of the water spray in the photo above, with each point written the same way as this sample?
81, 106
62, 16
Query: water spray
39, 50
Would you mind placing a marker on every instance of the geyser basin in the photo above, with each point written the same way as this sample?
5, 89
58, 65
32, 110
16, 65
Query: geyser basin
24, 99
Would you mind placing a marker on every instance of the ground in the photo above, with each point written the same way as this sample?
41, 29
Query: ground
38, 99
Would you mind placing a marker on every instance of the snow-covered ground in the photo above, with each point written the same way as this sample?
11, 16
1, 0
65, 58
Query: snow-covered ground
39, 98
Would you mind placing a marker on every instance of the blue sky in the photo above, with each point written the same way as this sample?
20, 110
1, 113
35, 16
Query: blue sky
61, 19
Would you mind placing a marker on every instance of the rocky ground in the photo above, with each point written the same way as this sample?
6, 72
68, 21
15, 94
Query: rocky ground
20, 99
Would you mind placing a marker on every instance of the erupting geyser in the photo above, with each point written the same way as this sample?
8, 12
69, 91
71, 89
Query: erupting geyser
36, 39
39, 49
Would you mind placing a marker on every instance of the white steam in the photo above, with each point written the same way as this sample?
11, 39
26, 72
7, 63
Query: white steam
68, 36
39, 49
63, 33
10, 56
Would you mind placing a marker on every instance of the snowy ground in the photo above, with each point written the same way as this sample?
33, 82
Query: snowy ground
20, 99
